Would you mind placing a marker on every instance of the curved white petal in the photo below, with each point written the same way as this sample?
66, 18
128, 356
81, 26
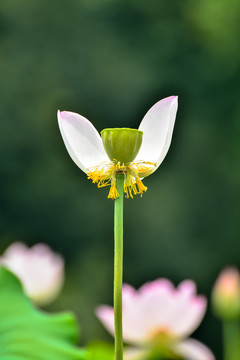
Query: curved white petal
81, 139
194, 350
157, 126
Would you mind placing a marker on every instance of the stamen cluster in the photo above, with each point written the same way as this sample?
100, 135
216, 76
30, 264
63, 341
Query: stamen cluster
104, 174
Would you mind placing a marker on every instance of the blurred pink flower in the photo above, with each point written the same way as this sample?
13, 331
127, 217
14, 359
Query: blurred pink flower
160, 316
40, 270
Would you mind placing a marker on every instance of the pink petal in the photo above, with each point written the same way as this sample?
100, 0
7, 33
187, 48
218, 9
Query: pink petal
164, 308
147, 311
40, 270
157, 307
106, 316
189, 311
158, 286
134, 329
133, 332
194, 350
157, 126
187, 287
81, 139
129, 295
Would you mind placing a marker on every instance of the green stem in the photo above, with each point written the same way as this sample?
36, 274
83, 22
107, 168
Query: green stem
231, 336
118, 266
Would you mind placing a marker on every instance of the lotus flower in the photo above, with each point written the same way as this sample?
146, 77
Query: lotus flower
159, 318
40, 270
134, 153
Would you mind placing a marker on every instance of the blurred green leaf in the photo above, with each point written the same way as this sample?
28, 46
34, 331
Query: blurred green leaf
100, 351
27, 333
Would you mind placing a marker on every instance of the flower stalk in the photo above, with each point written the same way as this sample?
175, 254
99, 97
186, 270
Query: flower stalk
231, 332
118, 266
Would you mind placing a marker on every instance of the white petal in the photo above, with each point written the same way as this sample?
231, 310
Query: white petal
81, 139
157, 126
194, 350
188, 316
189, 309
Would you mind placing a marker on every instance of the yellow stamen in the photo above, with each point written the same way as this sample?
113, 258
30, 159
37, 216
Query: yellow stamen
113, 193
141, 188
104, 175
101, 174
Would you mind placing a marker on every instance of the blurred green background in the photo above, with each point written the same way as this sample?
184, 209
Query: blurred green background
110, 61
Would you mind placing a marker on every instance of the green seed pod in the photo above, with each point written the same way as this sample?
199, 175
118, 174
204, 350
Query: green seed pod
122, 144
